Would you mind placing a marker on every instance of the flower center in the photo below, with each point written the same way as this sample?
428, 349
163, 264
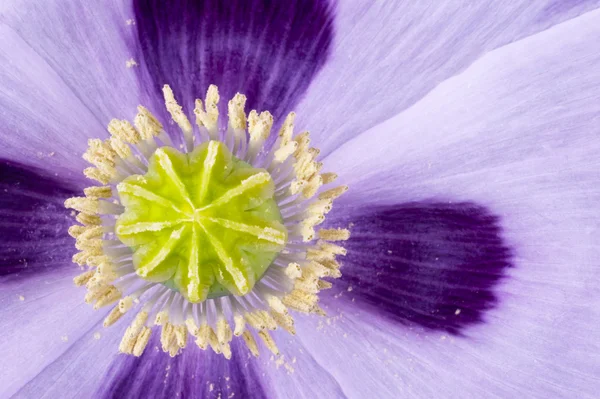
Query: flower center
203, 222
218, 240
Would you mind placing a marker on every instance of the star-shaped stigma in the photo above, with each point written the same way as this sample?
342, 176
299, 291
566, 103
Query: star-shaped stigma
204, 223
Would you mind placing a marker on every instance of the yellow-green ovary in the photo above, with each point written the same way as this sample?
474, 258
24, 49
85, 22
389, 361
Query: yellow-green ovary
204, 223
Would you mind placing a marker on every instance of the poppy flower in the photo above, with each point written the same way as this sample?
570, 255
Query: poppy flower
466, 246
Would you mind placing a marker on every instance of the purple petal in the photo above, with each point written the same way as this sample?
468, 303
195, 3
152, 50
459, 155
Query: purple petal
517, 134
41, 309
389, 54
269, 51
194, 373
430, 264
64, 77
33, 222
91, 368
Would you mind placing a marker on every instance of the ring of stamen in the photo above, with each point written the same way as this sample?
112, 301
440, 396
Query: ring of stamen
290, 279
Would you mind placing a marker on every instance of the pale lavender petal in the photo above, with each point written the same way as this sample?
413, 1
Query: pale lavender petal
516, 135
42, 122
296, 372
41, 318
389, 54
63, 67
79, 369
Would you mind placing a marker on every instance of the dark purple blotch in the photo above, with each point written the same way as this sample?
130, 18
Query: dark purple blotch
194, 373
33, 221
429, 264
268, 50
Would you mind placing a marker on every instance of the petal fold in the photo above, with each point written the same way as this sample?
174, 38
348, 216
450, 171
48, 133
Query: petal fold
65, 72
390, 54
